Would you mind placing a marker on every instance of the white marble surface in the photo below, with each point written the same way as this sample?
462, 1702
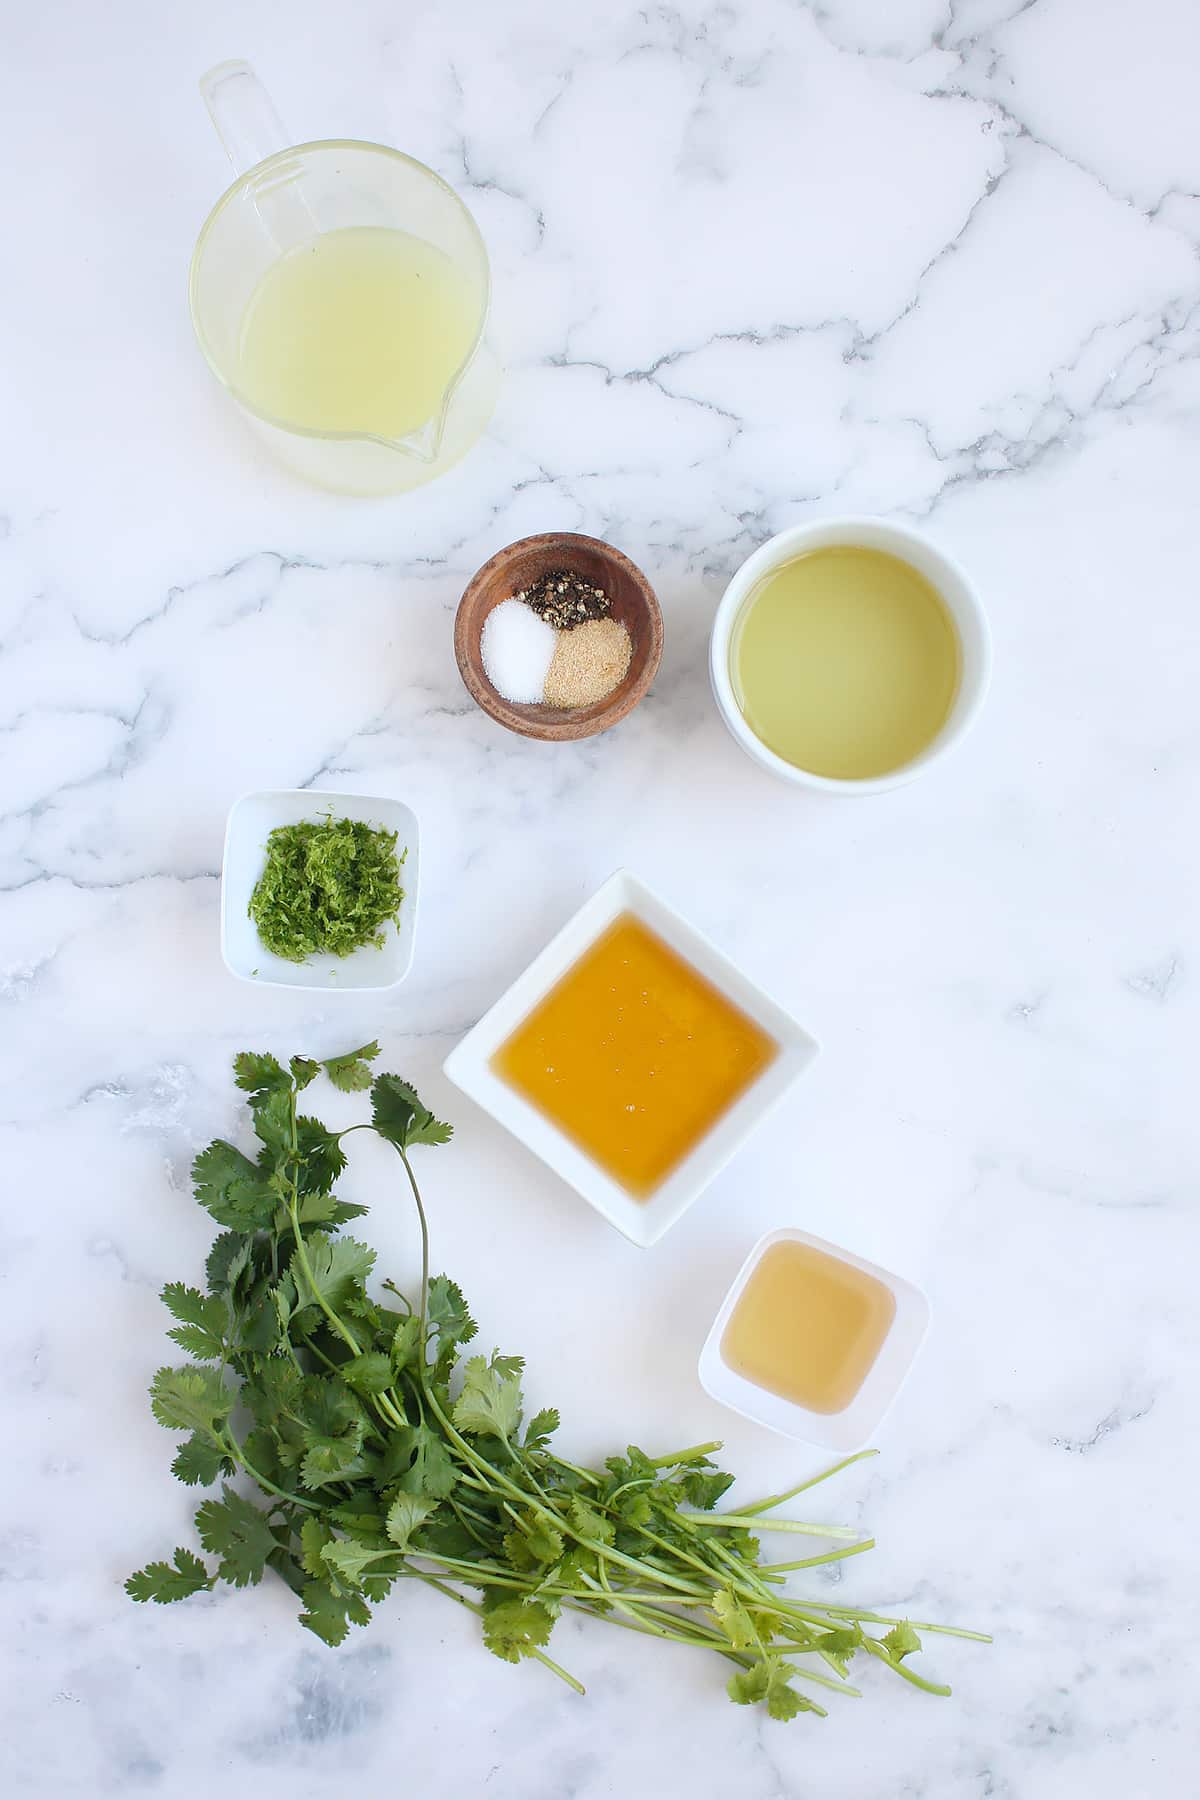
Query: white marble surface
754, 262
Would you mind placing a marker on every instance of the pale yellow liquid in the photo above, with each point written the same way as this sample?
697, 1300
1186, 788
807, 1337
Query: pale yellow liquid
808, 1326
360, 330
845, 662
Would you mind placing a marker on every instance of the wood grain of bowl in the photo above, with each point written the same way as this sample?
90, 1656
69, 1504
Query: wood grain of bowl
633, 604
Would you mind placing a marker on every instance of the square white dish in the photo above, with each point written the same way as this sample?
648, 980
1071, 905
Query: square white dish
643, 1222
850, 1428
251, 821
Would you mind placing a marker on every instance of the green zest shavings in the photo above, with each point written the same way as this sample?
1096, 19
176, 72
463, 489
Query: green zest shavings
382, 1455
330, 884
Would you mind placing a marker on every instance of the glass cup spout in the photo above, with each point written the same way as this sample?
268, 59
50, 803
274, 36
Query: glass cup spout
339, 291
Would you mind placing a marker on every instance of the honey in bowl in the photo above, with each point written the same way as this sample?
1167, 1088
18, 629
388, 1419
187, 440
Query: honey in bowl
808, 1326
634, 1055
845, 662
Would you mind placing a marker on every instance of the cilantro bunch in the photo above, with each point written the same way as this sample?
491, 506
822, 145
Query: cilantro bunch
381, 1455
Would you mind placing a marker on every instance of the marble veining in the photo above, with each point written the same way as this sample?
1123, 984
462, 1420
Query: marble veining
755, 261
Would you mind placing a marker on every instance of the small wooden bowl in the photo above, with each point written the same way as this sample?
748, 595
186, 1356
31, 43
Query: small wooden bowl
510, 571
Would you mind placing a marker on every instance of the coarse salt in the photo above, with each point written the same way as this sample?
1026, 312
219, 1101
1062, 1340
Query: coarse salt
517, 649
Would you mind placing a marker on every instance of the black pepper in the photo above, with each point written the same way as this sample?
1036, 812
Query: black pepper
565, 599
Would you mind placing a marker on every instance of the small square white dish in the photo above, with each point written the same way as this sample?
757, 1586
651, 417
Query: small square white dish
643, 1222
850, 1428
251, 821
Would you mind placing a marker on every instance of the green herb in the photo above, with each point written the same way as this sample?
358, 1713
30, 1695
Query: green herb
380, 1456
328, 884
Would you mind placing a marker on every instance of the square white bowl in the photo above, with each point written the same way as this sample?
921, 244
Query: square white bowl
643, 1222
251, 821
850, 1428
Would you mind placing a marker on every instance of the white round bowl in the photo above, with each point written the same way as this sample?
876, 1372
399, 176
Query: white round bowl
962, 603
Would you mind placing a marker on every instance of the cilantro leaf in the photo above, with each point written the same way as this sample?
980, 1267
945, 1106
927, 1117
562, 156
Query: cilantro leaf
533, 1542
239, 1534
175, 1580
512, 1628
349, 1560
199, 1461
589, 1523
337, 1266
541, 1428
304, 1071
257, 1072
352, 1072
703, 1490
273, 1114
274, 1393
901, 1641
783, 1702
322, 1158
334, 1429
331, 1615
406, 1513
449, 1317
201, 1331
839, 1647
190, 1399
399, 1116
368, 1374
747, 1686
261, 1450
228, 1261
314, 1535
320, 1209
267, 1309
329, 1460
633, 1469
490, 1402
359, 1518
418, 1462
232, 1188
769, 1680
735, 1621
406, 1342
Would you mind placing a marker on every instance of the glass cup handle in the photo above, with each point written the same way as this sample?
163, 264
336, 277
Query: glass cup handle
243, 115
246, 122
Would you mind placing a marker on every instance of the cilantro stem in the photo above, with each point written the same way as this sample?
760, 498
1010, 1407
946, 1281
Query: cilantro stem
416, 1193
875, 1649
742, 1570
462, 1514
681, 1457
802, 1487
866, 1617
489, 1574
676, 1552
720, 1521
588, 1475
648, 1624
813, 1562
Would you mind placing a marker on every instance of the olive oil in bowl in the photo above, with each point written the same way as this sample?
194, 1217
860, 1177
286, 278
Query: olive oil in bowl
845, 662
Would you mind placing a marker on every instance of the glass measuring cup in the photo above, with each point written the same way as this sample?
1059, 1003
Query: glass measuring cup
288, 196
